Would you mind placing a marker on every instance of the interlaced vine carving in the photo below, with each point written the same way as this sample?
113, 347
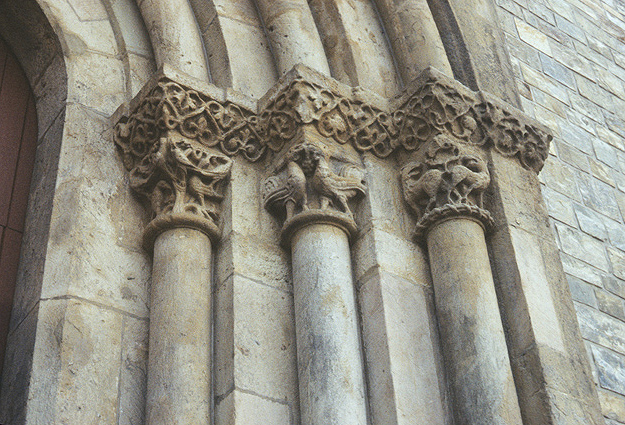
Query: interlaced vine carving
438, 105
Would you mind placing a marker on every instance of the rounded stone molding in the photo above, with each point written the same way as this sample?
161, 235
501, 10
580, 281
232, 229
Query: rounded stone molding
449, 212
166, 222
317, 216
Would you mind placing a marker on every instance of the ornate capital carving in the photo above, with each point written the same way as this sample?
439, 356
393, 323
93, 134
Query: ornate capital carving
446, 182
309, 187
431, 105
181, 179
177, 141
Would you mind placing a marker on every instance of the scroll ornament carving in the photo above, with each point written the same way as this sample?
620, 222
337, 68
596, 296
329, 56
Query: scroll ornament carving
436, 105
445, 183
307, 184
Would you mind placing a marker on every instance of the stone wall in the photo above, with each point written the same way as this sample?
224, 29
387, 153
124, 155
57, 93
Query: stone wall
569, 63
80, 321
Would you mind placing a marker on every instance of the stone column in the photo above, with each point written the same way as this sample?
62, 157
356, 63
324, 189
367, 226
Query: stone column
183, 181
445, 188
318, 226
179, 378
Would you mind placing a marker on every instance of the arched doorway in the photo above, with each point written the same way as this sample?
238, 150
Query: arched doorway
18, 142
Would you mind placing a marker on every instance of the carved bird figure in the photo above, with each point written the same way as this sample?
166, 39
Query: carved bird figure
421, 187
289, 191
332, 187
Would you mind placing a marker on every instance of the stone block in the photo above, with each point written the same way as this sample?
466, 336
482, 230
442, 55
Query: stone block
549, 102
50, 94
133, 373
599, 196
586, 107
617, 259
612, 405
254, 259
611, 368
77, 364
614, 285
615, 123
557, 71
97, 267
401, 351
561, 178
244, 408
590, 222
240, 10
616, 233
605, 152
576, 136
96, 81
85, 29
541, 305
90, 10
582, 292
601, 328
380, 250
572, 155
141, 69
602, 171
262, 346
559, 207
593, 92
542, 11
582, 270
570, 28
244, 211
546, 83
250, 59
18, 359
582, 247
533, 37
131, 25
383, 206
571, 59
30, 273
610, 304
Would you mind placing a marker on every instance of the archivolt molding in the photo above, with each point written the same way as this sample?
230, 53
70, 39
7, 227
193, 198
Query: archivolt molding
210, 120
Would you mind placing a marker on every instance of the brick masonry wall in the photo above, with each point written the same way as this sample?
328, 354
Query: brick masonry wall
569, 63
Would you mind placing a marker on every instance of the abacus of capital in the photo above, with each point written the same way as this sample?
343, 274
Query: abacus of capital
178, 139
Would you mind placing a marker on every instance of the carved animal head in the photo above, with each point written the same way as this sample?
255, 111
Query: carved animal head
307, 155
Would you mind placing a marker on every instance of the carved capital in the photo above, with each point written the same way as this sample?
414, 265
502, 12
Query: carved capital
310, 187
181, 179
445, 182
235, 125
178, 141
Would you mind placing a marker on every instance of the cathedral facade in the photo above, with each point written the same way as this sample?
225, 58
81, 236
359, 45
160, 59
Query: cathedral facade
322, 212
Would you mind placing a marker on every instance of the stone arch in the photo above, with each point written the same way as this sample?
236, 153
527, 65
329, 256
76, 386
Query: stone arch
30, 36
82, 62
19, 141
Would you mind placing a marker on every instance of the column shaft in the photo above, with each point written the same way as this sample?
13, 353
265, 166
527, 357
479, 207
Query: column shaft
179, 379
474, 344
329, 358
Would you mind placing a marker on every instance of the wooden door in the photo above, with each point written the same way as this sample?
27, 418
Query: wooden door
18, 142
